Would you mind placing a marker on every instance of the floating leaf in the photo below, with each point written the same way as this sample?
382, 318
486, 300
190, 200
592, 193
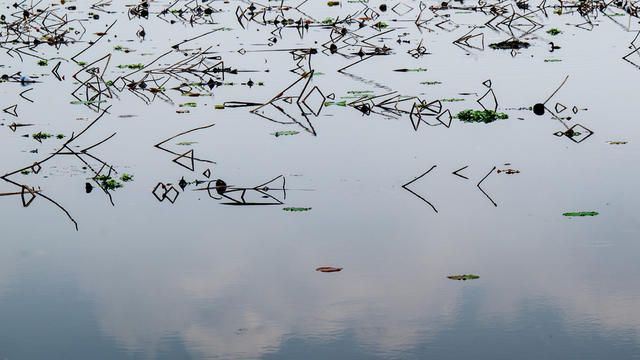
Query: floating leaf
554, 32
131, 66
107, 183
581, 213
509, 171
510, 44
328, 269
463, 277
283, 133
41, 136
484, 116
126, 177
191, 104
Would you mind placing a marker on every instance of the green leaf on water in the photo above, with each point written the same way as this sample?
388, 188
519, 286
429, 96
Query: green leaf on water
484, 116
554, 32
41, 136
296, 209
581, 213
283, 133
107, 183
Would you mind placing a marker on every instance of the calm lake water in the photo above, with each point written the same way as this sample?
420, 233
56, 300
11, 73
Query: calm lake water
204, 269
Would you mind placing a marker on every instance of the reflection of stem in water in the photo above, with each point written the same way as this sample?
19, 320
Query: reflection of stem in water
487, 195
405, 186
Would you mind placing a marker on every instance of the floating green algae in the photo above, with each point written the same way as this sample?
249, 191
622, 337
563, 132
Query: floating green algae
554, 32
339, 103
484, 116
581, 213
41, 136
107, 183
284, 133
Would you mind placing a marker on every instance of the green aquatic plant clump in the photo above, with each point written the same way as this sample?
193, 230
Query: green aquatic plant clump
41, 136
107, 183
484, 116
581, 213
296, 209
510, 45
126, 177
554, 32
